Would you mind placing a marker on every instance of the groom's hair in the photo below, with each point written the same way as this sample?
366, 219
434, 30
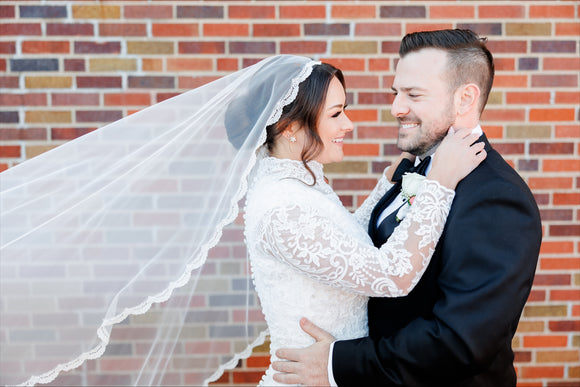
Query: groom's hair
469, 60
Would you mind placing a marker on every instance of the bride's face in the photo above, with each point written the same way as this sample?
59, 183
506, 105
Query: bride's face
333, 124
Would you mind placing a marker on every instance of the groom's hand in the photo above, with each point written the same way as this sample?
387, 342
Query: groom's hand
308, 366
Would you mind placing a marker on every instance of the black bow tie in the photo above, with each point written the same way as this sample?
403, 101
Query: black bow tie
406, 165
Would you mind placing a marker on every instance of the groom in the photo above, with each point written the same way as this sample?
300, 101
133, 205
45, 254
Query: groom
455, 328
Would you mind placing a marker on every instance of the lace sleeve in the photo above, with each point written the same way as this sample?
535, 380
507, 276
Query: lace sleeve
363, 213
311, 242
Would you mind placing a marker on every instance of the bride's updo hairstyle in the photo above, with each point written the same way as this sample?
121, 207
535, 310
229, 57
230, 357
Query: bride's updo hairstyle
305, 110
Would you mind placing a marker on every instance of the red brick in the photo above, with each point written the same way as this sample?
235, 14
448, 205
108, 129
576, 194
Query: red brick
377, 29
504, 64
560, 80
502, 11
125, 29
9, 82
564, 230
251, 12
510, 81
346, 64
541, 372
70, 29
54, 47
547, 341
563, 131
552, 11
567, 97
416, 27
527, 97
258, 361
556, 247
23, 99
173, 29
303, 47
572, 64
377, 64
565, 326
12, 134
148, 11
20, 29
10, 151
127, 99
351, 12
451, 11
549, 214
510, 47
75, 99
561, 165
7, 47
562, 199
354, 184
7, 12
241, 377
560, 148
99, 82
286, 30
227, 64
566, 295
492, 114
542, 115
361, 149
567, 29
194, 82
68, 133
302, 11
552, 280
211, 29
550, 182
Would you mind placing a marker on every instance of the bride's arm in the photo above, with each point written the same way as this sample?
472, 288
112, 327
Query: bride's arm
309, 240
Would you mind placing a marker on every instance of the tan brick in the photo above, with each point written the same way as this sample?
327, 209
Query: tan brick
530, 326
545, 310
386, 116
347, 167
112, 64
576, 279
35, 150
358, 47
528, 29
96, 11
557, 356
495, 98
52, 82
152, 64
529, 131
150, 48
40, 116
574, 372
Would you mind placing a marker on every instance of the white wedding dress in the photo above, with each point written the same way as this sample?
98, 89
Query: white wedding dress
311, 257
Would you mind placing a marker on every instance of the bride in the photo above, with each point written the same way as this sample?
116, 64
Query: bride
312, 258
133, 218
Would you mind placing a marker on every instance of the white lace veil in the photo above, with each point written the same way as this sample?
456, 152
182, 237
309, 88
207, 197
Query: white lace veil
139, 218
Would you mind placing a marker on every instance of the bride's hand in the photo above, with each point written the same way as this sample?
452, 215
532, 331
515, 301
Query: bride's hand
456, 157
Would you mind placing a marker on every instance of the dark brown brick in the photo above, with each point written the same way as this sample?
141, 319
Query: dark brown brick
97, 47
151, 82
72, 29
98, 115
252, 47
398, 11
326, 29
552, 148
200, 12
202, 47
568, 46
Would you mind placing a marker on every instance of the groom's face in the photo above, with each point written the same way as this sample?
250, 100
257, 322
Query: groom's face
423, 103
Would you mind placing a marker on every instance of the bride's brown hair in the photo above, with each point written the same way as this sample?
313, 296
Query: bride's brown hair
305, 111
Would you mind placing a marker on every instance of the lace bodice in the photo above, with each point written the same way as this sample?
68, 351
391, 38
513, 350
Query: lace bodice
312, 258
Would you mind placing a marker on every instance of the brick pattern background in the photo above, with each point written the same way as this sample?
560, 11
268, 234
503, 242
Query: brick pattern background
69, 67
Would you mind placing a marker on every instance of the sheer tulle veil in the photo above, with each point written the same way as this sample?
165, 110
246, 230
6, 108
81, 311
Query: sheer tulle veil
134, 231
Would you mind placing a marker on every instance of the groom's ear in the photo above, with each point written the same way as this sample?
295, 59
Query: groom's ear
466, 99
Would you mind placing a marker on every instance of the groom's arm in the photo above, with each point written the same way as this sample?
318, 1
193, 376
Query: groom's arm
489, 253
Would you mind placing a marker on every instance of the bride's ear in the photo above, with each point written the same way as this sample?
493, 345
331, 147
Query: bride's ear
291, 132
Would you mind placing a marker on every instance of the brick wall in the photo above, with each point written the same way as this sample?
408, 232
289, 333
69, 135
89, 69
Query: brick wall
69, 67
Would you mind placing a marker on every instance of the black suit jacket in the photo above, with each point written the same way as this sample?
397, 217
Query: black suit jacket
456, 326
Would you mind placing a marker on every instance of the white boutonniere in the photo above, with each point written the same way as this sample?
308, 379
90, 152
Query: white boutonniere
410, 185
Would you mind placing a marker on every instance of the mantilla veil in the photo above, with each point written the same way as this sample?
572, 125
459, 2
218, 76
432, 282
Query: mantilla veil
139, 218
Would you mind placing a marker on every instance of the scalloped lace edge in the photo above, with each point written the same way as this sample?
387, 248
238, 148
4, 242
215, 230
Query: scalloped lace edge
164, 295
